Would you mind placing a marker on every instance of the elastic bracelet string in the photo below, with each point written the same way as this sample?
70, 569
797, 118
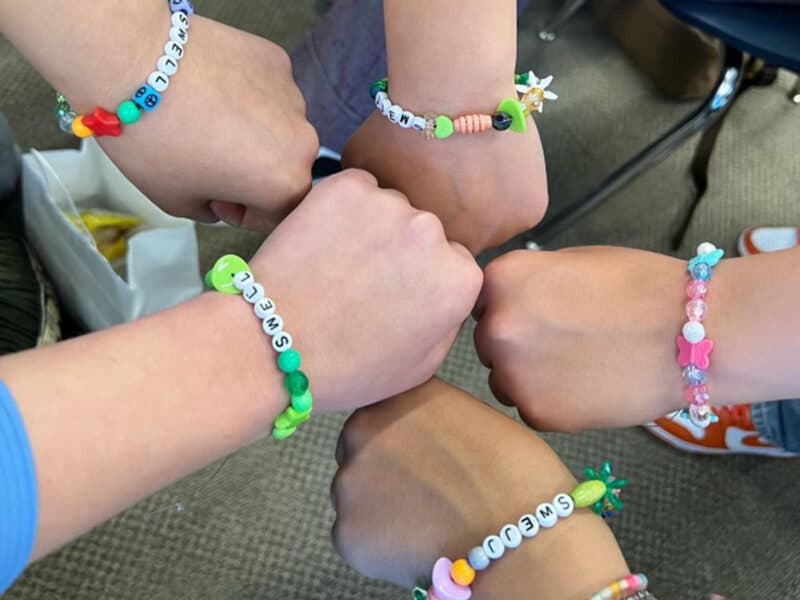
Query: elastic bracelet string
232, 275
147, 96
511, 114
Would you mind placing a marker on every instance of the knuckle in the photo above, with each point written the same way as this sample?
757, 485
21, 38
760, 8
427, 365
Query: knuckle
356, 179
426, 227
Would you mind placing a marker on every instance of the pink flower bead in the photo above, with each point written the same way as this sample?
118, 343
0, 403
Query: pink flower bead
697, 395
696, 310
443, 584
697, 289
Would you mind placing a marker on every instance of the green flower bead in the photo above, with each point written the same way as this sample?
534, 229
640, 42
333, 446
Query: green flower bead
296, 382
129, 113
220, 277
519, 122
444, 127
303, 403
289, 361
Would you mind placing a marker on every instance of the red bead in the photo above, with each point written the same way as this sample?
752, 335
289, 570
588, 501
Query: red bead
103, 123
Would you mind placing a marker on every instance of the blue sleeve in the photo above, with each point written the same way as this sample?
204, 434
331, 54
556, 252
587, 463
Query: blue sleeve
19, 501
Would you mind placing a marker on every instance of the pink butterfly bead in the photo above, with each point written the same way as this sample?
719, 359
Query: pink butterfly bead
694, 354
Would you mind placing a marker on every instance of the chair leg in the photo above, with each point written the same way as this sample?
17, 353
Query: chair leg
794, 95
703, 117
549, 30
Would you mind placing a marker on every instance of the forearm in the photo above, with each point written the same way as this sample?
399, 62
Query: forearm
114, 416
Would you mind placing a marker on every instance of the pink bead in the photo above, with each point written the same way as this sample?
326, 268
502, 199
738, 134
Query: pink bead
443, 584
697, 289
696, 310
697, 395
432, 595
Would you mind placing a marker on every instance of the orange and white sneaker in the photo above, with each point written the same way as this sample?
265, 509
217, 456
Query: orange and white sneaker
758, 240
733, 433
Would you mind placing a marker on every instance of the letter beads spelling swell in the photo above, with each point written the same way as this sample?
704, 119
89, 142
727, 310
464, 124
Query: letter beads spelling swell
510, 114
232, 275
452, 580
147, 96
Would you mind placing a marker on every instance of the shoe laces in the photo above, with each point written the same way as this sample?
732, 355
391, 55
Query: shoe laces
737, 416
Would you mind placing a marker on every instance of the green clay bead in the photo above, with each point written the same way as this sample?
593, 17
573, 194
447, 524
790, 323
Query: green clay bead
303, 403
444, 127
514, 108
289, 361
282, 434
588, 493
129, 113
296, 382
221, 275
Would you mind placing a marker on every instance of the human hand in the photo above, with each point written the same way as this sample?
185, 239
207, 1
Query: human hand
486, 188
371, 290
585, 337
432, 472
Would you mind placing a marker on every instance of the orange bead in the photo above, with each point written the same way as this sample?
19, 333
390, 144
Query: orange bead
472, 123
79, 129
462, 573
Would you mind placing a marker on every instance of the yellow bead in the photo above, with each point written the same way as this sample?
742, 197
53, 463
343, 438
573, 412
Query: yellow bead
615, 589
588, 492
80, 130
462, 573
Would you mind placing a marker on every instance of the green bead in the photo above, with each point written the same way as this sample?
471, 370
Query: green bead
128, 112
221, 275
296, 382
588, 493
419, 594
519, 122
304, 402
382, 85
289, 361
208, 282
282, 434
444, 127
522, 78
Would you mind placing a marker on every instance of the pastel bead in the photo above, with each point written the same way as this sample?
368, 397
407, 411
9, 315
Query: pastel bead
546, 515
706, 248
179, 19
701, 271
693, 332
514, 109
264, 308
147, 98
564, 504
282, 342
697, 289
242, 280
494, 547
303, 402
588, 493
431, 595
79, 129
696, 310
444, 127
470, 124
178, 34
478, 559
528, 526
272, 325
461, 573
443, 584
394, 113
702, 416
185, 6
511, 536
296, 383
289, 360
174, 49
128, 113
405, 119
158, 81
694, 375
222, 274
253, 293
697, 395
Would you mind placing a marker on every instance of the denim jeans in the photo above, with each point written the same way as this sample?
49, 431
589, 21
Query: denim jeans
779, 422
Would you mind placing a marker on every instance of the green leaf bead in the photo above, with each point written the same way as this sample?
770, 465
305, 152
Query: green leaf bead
221, 275
304, 402
588, 493
605, 470
513, 107
618, 484
129, 113
590, 473
419, 594
616, 502
296, 382
444, 127
289, 361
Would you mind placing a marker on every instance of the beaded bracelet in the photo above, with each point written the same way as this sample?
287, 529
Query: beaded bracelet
510, 114
452, 580
631, 587
232, 275
694, 348
147, 97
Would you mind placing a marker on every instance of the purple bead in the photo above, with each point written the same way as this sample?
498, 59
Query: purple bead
696, 310
701, 271
694, 376
185, 6
697, 290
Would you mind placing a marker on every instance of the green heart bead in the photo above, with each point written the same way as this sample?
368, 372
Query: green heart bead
519, 122
220, 277
304, 402
588, 492
444, 127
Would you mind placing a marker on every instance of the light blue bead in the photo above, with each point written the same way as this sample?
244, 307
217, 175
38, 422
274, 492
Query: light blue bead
694, 376
711, 259
147, 98
184, 6
701, 271
478, 559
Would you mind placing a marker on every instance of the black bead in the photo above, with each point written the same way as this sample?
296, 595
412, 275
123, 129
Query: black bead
501, 121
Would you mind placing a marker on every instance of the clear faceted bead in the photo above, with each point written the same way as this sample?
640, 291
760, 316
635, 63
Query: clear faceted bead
696, 310
694, 376
697, 289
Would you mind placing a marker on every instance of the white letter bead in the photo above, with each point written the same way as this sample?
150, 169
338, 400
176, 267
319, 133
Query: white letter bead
694, 332
394, 113
179, 34
272, 325
564, 504
528, 526
242, 279
511, 536
174, 49
380, 97
386, 104
546, 515
282, 342
264, 308
418, 123
180, 20
406, 118
158, 81
705, 248
253, 293
167, 65
493, 546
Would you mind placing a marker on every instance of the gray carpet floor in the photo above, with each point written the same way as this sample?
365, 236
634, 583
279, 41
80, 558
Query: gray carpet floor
256, 525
